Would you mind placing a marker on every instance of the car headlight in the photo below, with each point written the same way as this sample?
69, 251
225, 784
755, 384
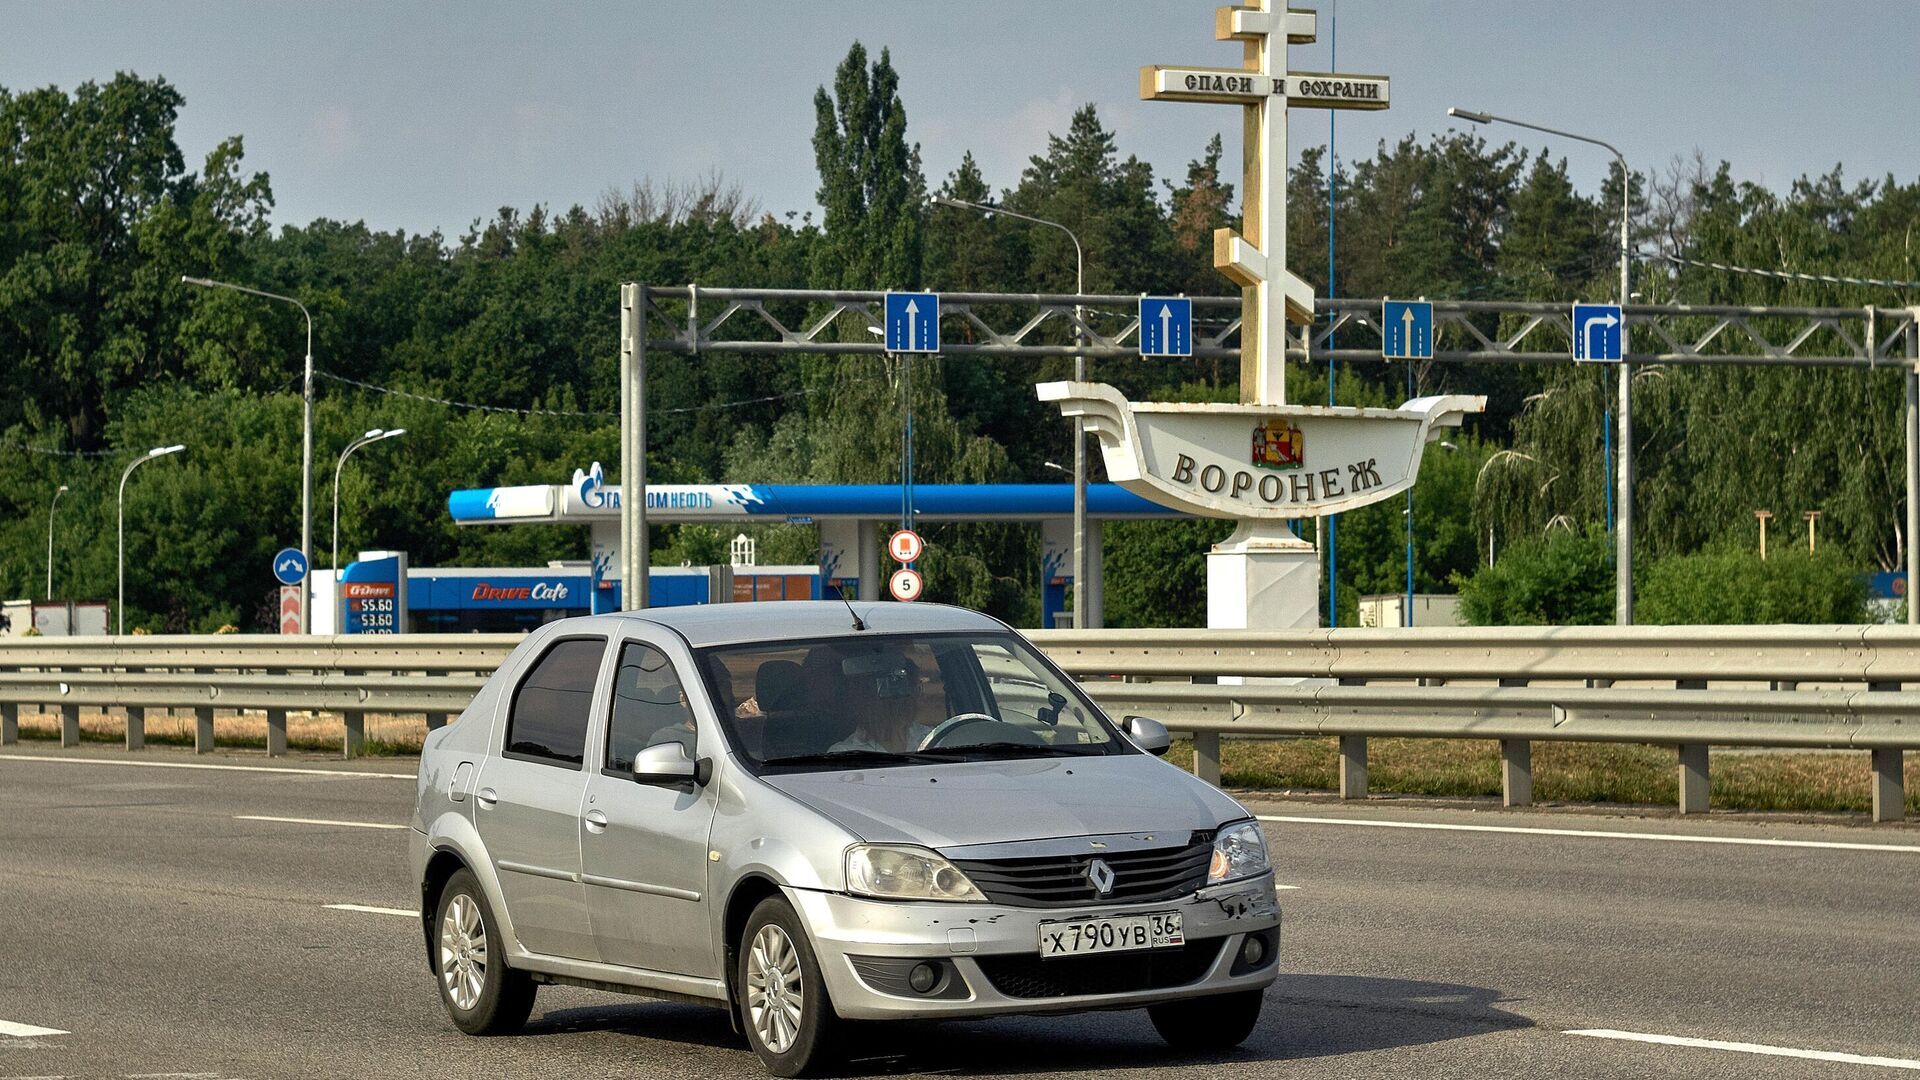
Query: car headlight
1239, 851
905, 873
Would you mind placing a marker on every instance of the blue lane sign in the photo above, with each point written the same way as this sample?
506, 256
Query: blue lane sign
1166, 326
289, 566
913, 322
1406, 330
1596, 331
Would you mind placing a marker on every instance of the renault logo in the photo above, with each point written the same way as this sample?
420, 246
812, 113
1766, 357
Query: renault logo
1100, 876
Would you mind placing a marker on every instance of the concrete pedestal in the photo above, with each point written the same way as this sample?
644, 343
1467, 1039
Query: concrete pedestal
1263, 578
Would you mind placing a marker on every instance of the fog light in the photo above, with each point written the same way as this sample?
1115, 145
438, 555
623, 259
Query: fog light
923, 978
1254, 951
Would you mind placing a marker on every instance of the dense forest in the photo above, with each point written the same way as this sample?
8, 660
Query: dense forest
496, 350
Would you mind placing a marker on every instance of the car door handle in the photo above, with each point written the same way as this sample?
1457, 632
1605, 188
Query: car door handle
487, 797
596, 821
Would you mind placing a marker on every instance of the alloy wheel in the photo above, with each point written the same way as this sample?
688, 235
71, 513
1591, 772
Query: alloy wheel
774, 994
463, 951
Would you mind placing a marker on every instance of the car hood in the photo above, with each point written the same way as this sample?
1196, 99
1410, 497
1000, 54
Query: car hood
986, 802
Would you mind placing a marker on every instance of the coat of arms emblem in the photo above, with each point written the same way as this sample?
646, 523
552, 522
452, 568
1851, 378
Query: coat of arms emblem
1277, 444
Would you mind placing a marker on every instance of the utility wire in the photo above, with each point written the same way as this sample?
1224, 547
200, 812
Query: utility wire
1789, 275
711, 407
56, 452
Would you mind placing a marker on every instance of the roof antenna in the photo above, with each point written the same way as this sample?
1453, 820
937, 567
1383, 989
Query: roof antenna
857, 624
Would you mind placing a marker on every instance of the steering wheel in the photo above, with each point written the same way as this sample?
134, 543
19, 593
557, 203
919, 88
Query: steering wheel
943, 733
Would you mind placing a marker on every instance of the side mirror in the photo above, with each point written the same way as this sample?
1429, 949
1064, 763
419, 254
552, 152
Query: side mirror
1147, 734
668, 763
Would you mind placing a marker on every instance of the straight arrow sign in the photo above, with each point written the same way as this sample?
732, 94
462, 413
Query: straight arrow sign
1166, 326
913, 322
1406, 330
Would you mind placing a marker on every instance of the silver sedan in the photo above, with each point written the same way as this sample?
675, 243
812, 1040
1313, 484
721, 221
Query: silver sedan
809, 813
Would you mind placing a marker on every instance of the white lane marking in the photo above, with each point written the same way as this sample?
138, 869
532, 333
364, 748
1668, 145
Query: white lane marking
26, 1031
200, 765
318, 821
1674, 838
371, 910
1286, 886
1751, 1048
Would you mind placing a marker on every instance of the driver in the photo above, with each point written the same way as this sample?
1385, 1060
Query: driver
888, 707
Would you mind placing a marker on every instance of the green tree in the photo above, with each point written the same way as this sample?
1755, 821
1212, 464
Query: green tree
101, 218
1565, 579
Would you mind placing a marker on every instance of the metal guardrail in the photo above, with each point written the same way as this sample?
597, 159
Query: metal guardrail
1685, 687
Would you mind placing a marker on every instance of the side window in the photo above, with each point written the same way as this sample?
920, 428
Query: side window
649, 707
548, 718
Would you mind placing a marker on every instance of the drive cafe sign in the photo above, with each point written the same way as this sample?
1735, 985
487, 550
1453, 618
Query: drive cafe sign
1258, 461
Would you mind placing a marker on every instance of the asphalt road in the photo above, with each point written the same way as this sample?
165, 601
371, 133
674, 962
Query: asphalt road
144, 918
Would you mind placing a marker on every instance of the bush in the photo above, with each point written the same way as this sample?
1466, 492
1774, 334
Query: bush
1724, 587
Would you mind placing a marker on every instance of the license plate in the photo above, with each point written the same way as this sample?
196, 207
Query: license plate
1121, 933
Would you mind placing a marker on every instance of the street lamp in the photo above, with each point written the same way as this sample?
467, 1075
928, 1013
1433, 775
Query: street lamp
306, 432
1623, 535
1084, 617
369, 438
158, 451
59, 491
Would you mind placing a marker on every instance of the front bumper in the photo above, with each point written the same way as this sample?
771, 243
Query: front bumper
990, 954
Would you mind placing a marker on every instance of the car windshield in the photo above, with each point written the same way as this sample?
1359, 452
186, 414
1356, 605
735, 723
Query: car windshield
879, 700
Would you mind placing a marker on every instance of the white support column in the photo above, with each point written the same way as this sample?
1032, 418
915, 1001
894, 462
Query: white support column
869, 549
1263, 578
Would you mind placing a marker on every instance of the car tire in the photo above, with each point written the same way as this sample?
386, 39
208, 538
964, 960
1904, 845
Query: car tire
1208, 1024
482, 994
783, 1003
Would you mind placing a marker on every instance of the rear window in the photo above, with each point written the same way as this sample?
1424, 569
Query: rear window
548, 718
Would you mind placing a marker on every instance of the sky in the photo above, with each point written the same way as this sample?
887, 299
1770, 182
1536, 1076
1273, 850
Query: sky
423, 116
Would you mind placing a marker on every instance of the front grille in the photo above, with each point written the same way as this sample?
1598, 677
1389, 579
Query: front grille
1061, 880
1025, 975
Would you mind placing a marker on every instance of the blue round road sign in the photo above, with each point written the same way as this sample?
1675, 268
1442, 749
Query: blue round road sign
289, 566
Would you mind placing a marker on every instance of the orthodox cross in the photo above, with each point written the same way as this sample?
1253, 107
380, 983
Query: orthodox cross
1255, 257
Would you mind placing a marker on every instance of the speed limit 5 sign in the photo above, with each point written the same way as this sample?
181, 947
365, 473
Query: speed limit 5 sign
905, 584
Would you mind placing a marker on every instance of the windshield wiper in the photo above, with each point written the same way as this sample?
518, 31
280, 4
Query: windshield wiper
853, 757
1009, 749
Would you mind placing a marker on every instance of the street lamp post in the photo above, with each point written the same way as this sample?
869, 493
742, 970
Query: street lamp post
306, 433
1623, 534
1084, 617
121, 528
374, 436
57, 492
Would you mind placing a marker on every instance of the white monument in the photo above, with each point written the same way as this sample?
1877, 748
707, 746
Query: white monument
1264, 462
